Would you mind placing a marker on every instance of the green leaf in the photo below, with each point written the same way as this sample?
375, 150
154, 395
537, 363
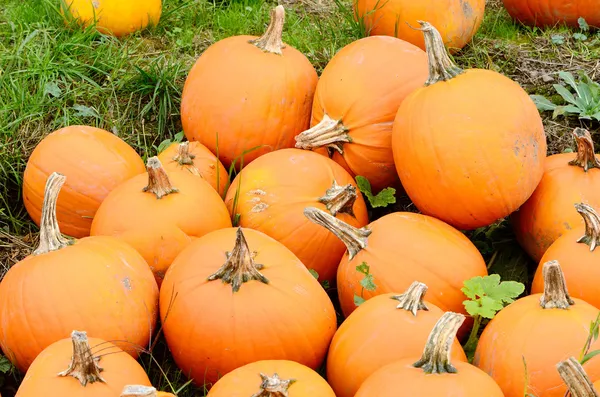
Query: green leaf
579, 36
566, 94
5, 365
368, 283
314, 273
569, 79
583, 25
53, 89
558, 39
589, 356
363, 268
382, 199
542, 103
488, 295
358, 300
85, 111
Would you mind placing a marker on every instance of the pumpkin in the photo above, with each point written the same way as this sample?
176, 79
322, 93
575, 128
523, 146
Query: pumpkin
194, 158
115, 17
271, 378
495, 133
382, 330
458, 20
266, 201
97, 368
547, 13
97, 283
235, 296
397, 249
435, 373
143, 391
94, 161
533, 334
246, 95
568, 178
159, 214
577, 381
356, 100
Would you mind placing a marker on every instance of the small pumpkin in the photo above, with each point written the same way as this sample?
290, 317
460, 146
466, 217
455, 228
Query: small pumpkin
246, 95
266, 201
547, 13
536, 332
577, 381
495, 132
356, 100
143, 391
94, 161
384, 329
434, 374
548, 213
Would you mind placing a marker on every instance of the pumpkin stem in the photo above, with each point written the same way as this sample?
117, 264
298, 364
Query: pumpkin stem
354, 239
586, 157
441, 67
84, 366
412, 299
271, 41
158, 180
328, 132
274, 386
339, 199
239, 267
592, 225
186, 159
436, 356
555, 293
138, 391
50, 237
574, 376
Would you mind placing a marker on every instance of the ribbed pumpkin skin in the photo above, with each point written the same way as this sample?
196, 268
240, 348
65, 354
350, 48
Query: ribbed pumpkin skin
551, 12
94, 161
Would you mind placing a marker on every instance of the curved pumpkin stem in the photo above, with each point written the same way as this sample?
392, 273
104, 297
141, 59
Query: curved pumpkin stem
139, 391
158, 180
441, 67
271, 41
339, 199
577, 381
586, 157
436, 356
592, 225
412, 299
328, 132
50, 237
186, 159
354, 239
274, 386
84, 366
239, 267
556, 295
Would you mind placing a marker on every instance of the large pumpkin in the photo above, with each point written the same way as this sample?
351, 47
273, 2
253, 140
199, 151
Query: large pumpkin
357, 97
270, 196
469, 147
234, 297
545, 13
246, 96
569, 178
99, 284
94, 161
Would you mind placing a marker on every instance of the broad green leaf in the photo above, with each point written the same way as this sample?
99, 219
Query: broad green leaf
368, 283
5, 364
358, 300
566, 94
569, 79
586, 95
542, 103
487, 295
580, 36
382, 199
53, 89
363, 268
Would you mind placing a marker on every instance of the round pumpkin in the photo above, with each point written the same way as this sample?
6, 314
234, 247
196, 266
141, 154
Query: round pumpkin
143, 391
97, 368
470, 146
457, 20
382, 330
268, 378
357, 97
577, 381
536, 332
94, 161
435, 373
100, 284
267, 201
569, 178
233, 297
547, 13
246, 96
159, 214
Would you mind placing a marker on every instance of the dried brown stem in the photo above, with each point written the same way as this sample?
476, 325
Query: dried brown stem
328, 132
592, 225
574, 376
441, 67
556, 295
339, 199
412, 299
586, 157
274, 386
436, 355
138, 391
271, 41
84, 366
158, 180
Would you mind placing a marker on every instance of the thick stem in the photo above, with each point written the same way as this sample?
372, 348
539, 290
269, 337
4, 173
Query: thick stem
574, 376
441, 67
84, 366
555, 293
239, 267
586, 157
436, 356
328, 132
354, 239
158, 180
272, 41
50, 237
412, 299
339, 199
186, 159
138, 391
592, 225
274, 386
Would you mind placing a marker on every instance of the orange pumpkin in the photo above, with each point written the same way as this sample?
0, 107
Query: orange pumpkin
535, 333
577, 381
384, 329
160, 214
143, 391
246, 96
93, 160
194, 158
266, 200
227, 301
98, 369
434, 374
458, 20
97, 283
546, 13
495, 132
357, 97
569, 178
272, 378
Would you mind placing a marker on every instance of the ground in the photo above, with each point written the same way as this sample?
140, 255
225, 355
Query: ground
51, 77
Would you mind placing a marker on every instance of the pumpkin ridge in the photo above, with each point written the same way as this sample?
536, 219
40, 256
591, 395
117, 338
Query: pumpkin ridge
574, 376
328, 132
555, 293
586, 157
271, 41
441, 67
412, 299
273, 386
339, 199
158, 181
592, 225
436, 355
84, 366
